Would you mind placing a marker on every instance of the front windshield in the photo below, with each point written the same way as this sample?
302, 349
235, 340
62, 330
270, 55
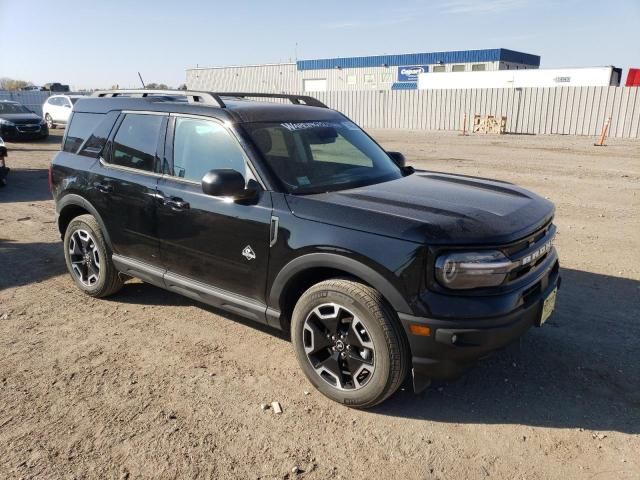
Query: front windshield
314, 157
7, 108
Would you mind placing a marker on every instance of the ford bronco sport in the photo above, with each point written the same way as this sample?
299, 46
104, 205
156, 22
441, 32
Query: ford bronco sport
289, 214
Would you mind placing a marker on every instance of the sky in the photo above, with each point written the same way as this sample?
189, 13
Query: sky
91, 44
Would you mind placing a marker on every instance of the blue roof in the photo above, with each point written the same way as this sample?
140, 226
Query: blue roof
461, 56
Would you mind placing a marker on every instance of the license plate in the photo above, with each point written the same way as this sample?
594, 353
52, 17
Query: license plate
548, 306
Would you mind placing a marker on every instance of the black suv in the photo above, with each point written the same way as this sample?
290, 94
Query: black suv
289, 214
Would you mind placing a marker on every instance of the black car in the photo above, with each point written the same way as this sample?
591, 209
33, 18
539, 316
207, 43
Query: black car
17, 122
4, 170
291, 215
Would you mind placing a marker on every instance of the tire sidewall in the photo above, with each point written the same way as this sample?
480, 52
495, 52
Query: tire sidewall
79, 224
378, 383
49, 120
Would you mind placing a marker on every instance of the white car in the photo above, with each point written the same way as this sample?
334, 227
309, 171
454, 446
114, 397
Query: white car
57, 109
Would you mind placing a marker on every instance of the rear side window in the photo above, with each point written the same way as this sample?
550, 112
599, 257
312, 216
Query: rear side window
135, 144
98, 138
82, 125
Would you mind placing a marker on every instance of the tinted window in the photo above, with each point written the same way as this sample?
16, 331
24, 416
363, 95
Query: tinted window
73, 100
203, 145
81, 126
10, 107
136, 142
312, 157
98, 138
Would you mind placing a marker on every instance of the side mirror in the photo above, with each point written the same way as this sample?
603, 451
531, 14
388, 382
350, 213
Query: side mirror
227, 183
397, 158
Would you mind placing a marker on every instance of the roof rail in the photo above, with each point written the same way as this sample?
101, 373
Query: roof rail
295, 99
193, 96
209, 98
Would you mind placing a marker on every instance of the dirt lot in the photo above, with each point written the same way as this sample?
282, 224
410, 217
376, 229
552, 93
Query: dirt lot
150, 384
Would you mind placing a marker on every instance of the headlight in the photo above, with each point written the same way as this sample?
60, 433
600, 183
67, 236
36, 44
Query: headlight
466, 270
6, 122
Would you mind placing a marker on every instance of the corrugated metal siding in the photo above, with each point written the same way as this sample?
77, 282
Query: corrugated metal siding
553, 110
33, 100
461, 56
261, 78
286, 78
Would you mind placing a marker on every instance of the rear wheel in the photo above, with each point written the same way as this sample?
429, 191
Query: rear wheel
88, 258
349, 343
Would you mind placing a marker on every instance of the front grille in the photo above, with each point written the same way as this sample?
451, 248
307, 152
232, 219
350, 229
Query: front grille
524, 244
529, 253
28, 128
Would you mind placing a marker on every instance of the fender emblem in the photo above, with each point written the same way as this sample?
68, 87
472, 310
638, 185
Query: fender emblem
248, 253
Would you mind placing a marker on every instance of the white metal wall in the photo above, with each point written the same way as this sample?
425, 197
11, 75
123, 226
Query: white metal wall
285, 77
556, 110
33, 100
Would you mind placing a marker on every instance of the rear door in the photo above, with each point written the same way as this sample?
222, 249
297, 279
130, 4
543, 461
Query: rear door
213, 241
125, 181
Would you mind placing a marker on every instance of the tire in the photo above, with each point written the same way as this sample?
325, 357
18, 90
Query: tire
88, 258
49, 120
368, 342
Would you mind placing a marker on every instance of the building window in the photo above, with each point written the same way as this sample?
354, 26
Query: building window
351, 79
387, 78
479, 67
458, 68
439, 68
369, 79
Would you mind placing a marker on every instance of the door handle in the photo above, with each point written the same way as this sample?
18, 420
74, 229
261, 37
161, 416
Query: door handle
104, 188
176, 203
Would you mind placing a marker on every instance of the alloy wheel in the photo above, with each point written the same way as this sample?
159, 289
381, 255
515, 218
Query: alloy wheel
85, 258
339, 347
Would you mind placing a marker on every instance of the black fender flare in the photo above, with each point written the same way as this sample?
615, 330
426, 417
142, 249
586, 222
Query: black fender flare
338, 262
74, 200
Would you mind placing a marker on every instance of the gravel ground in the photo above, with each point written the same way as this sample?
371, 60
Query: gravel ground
149, 384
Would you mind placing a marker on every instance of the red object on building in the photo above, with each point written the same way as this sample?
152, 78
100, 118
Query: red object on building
633, 78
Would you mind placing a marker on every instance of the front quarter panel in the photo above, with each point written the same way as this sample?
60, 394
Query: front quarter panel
394, 267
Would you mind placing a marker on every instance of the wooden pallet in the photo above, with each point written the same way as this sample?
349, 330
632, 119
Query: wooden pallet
489, 124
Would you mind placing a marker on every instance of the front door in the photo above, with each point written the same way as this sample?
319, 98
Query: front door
212, 241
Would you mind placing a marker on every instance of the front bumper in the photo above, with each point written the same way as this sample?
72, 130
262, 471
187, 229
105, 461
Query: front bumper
455, 344
23, 132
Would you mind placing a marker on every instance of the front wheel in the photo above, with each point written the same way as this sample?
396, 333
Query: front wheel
88, 258
49, 120
349, 343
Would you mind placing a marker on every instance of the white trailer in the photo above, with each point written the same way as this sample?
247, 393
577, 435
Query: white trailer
551, 77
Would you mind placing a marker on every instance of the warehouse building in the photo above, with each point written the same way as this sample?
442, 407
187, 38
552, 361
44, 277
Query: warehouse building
380, 72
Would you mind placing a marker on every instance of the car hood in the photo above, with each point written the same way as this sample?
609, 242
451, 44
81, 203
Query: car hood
432, 208
20, 118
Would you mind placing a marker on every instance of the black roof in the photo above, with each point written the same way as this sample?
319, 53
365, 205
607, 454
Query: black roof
237, 110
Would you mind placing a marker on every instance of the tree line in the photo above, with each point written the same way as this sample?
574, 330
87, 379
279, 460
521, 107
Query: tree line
12, 84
